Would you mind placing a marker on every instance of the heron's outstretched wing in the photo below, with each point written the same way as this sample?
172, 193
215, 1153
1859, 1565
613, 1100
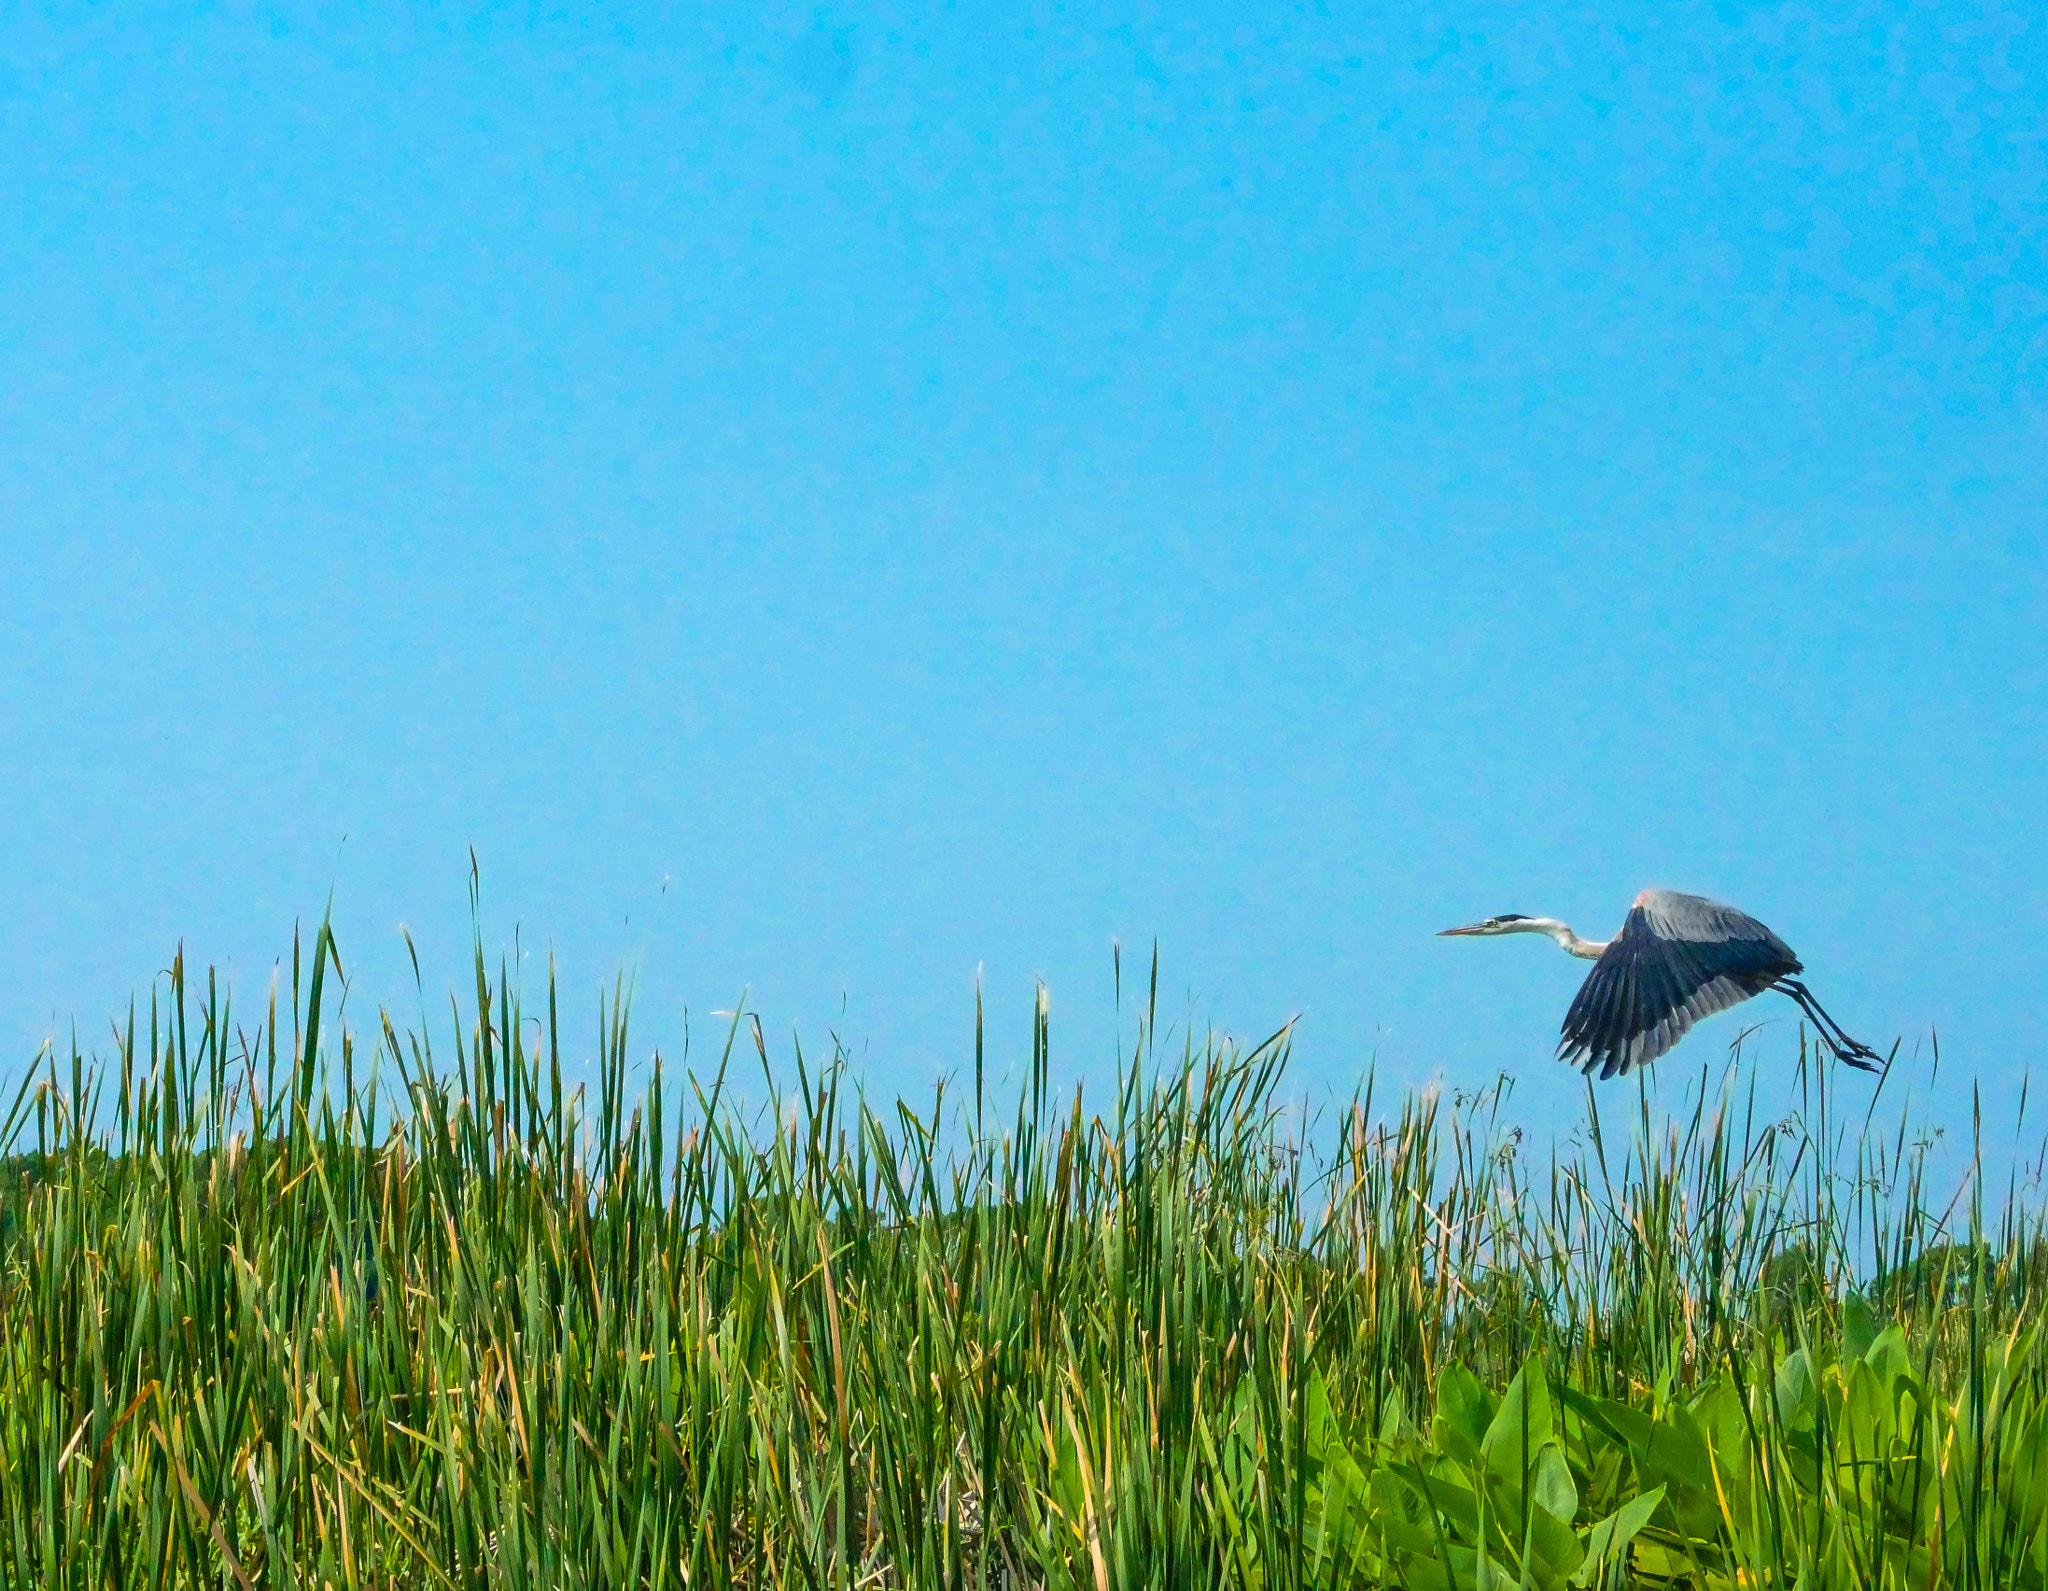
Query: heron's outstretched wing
1677, 958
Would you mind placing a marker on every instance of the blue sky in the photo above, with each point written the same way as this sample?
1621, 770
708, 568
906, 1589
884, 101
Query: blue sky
825, 499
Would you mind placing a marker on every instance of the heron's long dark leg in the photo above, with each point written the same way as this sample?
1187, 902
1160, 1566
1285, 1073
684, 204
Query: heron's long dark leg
1847, 1050
1830, 1030
1798, 992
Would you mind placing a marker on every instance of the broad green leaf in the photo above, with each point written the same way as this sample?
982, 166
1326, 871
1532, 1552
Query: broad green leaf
1406, 1538
1457, 1502
1889, 1356
1660, 1565
1865, 1426
1859, 1327
1672, 1450
1597, 1413
1551, 1487
1798, 1397
2026, 1479
1520, 1427
1607, 1542
1338, 1495
1323, 1430
1555, 1550
1718, 1415
1464, 1409
1630, 1426
1426, 1573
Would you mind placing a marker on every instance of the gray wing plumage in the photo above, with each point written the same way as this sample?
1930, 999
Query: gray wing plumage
1677, 958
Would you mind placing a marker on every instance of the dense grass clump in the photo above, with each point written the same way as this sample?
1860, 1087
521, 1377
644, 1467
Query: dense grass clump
286, 1306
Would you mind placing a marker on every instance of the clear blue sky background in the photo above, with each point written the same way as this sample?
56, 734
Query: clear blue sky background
825, 498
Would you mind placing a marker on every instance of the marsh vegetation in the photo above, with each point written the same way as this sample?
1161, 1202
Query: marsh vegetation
284, 1305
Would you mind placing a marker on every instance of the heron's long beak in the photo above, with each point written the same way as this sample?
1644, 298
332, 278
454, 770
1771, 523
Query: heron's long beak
1450, 932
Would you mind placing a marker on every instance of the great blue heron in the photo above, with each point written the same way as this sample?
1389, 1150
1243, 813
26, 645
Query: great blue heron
1677, 958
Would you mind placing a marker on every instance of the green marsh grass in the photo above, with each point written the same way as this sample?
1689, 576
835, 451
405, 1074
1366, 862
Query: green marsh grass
286, 1305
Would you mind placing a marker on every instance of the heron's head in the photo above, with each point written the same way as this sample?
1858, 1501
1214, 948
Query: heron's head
1505, 923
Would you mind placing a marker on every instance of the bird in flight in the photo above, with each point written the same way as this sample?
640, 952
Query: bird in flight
1677, 958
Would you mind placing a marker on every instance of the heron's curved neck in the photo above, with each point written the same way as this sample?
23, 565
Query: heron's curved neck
1569, 942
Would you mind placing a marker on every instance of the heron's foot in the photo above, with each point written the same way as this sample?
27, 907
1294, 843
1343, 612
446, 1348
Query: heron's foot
1860, 1056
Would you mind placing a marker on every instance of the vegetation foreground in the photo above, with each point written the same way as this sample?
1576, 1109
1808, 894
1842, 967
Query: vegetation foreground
286, 1307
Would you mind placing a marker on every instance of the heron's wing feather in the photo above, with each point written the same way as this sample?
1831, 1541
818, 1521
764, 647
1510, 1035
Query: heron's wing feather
1677, 958
1708, 924
1596, 1008
1616, 1013
1663, 1006
1636, 978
